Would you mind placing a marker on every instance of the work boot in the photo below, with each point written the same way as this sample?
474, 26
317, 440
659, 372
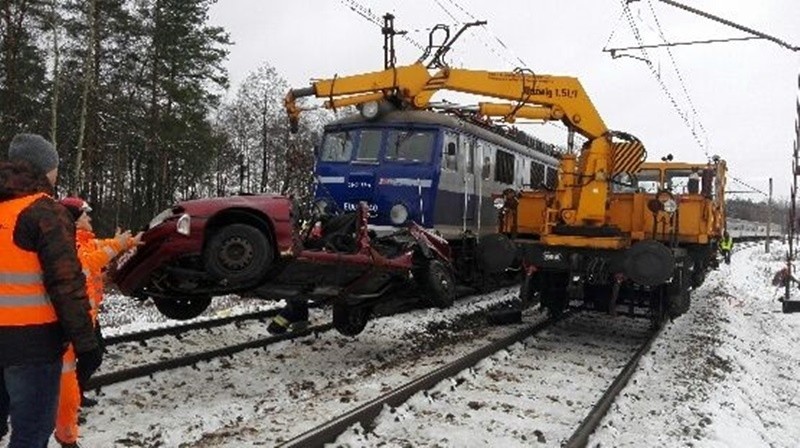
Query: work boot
87, 402
293, 317
279, 325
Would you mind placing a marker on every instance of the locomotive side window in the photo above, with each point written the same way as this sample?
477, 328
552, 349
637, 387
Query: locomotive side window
552, 177
450, 152
369, 146
338, 147
467, 145
486, 164
505, 167
409, 146
537, 174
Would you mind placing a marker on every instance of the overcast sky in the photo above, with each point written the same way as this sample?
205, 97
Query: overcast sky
744, 93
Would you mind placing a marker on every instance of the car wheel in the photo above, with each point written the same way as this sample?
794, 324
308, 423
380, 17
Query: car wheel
349, 320
182, 308
438, 283
238, 253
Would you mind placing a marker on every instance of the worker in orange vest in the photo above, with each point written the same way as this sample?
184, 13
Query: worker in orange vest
94, 255
43, 301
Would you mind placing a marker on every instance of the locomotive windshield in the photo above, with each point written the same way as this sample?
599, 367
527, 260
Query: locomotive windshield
369, 146
409, 146
337, 147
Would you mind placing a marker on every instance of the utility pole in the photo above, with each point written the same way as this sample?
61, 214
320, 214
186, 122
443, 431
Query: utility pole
769, 216
789, 305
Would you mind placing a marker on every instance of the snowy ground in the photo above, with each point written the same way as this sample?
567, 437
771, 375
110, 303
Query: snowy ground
725, 374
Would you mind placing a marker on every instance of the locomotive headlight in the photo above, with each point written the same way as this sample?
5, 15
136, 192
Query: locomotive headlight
499, 203
370, 110
670, 206
398, 214
184, 224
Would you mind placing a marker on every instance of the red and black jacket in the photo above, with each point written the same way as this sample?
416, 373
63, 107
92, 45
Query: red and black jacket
47, 229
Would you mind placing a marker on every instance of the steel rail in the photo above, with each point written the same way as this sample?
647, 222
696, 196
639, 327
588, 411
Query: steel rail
365, 414
107, 379
580, 438
176, 330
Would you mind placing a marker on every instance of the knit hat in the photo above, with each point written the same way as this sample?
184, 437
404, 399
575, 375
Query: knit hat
75, 206
35, 149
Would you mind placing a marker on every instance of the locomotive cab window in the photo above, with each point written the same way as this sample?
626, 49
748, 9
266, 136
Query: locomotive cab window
409, 146
369, 146
678, 181
648, 181
337, 147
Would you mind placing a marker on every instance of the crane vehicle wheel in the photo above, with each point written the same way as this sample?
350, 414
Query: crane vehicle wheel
238, 253
438, 283
184, 308
649, 263
350, 320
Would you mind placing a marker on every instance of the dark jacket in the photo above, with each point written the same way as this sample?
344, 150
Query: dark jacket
47, 228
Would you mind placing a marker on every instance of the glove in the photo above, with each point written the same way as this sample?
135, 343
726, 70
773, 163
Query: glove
88, 363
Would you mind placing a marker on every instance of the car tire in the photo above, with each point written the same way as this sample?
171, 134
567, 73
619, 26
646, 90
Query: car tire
438, 283
182, 308
238, 253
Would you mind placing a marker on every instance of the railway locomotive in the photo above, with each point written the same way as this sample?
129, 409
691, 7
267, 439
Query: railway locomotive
437, 169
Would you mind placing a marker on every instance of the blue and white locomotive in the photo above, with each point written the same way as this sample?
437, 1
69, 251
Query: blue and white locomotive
437, 169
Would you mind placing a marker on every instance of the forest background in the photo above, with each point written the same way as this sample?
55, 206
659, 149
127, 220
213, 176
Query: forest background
135, 96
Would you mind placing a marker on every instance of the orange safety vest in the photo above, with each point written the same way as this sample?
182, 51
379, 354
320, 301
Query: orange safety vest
23, 298
94, 255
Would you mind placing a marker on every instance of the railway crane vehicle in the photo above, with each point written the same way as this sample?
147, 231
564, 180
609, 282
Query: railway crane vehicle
656, 241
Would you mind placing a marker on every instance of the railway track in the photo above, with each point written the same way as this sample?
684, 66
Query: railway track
178, 330
367, 414
148, 369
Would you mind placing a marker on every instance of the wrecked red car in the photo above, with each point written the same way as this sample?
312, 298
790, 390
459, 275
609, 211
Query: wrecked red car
256, 244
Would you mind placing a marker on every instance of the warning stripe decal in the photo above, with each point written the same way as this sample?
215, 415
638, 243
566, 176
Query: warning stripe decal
628, 157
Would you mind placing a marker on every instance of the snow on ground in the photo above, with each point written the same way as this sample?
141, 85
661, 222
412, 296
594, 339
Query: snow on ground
726, 374
260, 397
534, 393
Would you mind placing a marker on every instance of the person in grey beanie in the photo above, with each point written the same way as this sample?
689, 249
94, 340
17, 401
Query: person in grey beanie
36, 150
42, 292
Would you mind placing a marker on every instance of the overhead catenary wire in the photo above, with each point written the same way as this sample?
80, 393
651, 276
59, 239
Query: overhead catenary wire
371, 17
745, 184
659, 79
514, 61
680, 76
